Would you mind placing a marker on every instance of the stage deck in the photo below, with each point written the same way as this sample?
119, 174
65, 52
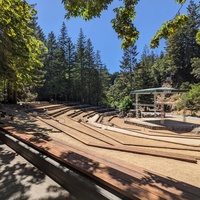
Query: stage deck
163, 124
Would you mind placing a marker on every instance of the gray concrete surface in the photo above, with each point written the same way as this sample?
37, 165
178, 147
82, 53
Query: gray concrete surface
19, 179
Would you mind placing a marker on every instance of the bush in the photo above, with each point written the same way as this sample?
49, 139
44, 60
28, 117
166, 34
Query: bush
125, 104
193, 98
181, 104
185, 86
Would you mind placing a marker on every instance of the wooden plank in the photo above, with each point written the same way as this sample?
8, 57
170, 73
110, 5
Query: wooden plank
145, 151
132, 183
139, 150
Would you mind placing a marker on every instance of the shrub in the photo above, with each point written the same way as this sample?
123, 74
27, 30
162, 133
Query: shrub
193, 98
125, 104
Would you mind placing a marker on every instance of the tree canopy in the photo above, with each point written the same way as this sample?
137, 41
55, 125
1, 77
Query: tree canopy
20, 49
124, 18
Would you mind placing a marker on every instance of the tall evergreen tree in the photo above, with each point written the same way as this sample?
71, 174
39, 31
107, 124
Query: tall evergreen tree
66, 54
123, 83
105, 78
62, 62
117, 91
161, 70
183, 47
127, 66
70, 59
90, 70
79, 75
142, 72
97, 79
48, 91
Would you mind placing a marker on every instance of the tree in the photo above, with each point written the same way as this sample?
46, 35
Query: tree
20, 49
125, 104
96, 79
182, 48
118, 91
38, 72
49, 91
123, 83
66, 62
104, 78
196, 68
90, 71
70, 59
143, 72
193, 98
75, 74
79, 72
158, 70
127, 66
123, 21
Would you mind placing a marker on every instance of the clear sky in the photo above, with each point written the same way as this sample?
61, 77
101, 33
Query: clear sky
150, 16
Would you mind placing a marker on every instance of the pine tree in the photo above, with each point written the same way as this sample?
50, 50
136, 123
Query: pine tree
127, 67
62, 63
142, 72
66, 56
48, 90
70, 58
101, 81
161, 69
182, 48
79, 74
90, 71
97, 79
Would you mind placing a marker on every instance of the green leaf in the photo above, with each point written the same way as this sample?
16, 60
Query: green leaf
198, 37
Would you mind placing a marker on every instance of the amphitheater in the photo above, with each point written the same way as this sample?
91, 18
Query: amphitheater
136, 158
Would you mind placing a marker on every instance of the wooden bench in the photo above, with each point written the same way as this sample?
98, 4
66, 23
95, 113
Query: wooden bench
132, 181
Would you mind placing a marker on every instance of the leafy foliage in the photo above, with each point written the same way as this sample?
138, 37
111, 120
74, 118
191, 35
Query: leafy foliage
196, 67
125, 104
180, 1
20, 49
198, 37
123, 21
193, 98
86, 9
168, 29
182, 48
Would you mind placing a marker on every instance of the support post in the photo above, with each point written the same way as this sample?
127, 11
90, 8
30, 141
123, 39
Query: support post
162, 108
184, 108
136, 106
155, 95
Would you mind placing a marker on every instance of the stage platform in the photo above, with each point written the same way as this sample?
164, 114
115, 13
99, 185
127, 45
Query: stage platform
163, 124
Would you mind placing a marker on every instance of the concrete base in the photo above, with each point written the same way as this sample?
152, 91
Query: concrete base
162, 124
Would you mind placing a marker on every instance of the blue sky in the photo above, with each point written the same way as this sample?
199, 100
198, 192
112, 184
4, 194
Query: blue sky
150, 16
